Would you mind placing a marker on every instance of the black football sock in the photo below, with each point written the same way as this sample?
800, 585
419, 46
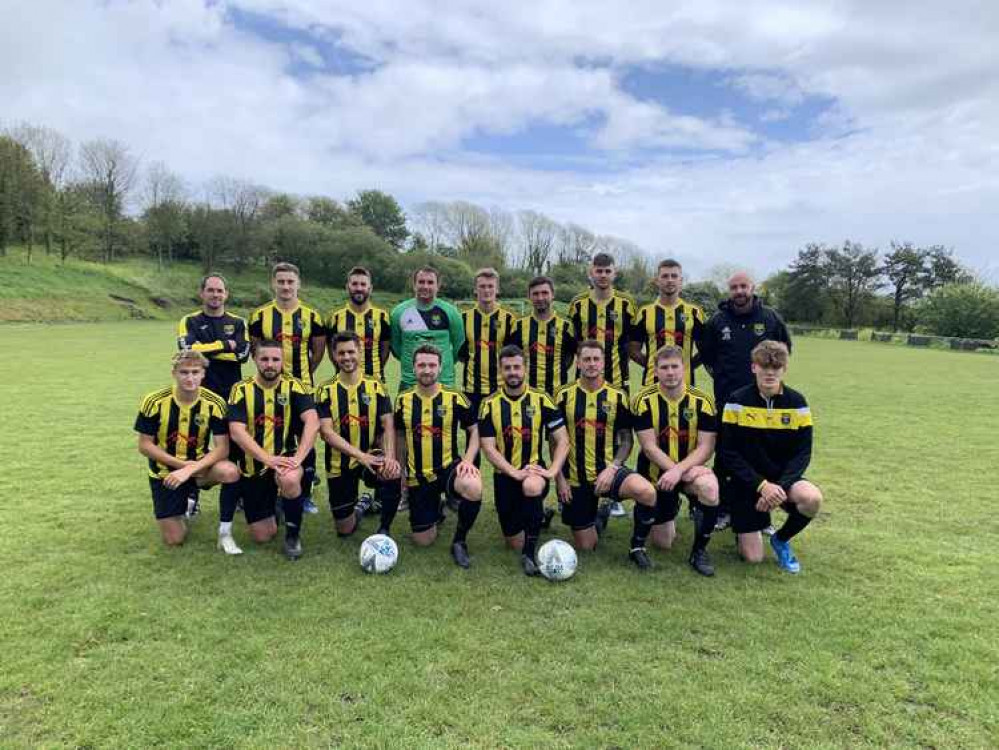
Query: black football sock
228, 500
707, 516
534, 513
795, 524
390, 494
644, 518
467, 513
293, 516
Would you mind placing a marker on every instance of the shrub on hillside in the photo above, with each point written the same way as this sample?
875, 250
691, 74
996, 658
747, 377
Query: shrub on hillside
963, 310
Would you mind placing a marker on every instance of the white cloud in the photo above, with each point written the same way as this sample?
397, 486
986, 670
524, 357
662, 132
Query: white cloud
906, 152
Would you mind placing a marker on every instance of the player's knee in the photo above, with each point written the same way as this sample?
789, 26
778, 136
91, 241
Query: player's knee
174, 538
263, 533
515, 542
533, 486
425, 538
290, 484
663, 536
641, 490
586, 539
706, 488
470, 489
228, 472
751, 547
807, 497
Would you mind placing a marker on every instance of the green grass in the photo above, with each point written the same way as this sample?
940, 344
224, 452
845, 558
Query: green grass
888, 638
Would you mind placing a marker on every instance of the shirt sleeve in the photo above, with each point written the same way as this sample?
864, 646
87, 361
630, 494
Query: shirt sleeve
486, 426
457, 327
569, 345
218, 422
706, 345
707, 420
400, 422
237, 406
551, 416
184, 336
464, 412
732, 443
301, 400
636, 331
318, 327
385, 329
624, 419
323, 403
641, 416
256, 325
148, 423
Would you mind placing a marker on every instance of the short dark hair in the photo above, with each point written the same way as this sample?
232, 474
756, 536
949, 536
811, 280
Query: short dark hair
344, 337
590, 344
204, 280
428, 349
359, 271
603, 259
267, 344
541, 281
427, 269
668, 263
285, 268
511, 350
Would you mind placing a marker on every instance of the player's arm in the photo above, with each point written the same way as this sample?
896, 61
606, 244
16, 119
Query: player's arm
149, 449
697, 336
795, 468
493, 455
456, 328
701, 453
310, 428
187, 339
395, 333
241, 437
636, 354
733, 446
605, 478
706, 348
256, 328
317, 344
219, 451
339, 443
471, 445
391, 469
385, 342
558, 445
650, 447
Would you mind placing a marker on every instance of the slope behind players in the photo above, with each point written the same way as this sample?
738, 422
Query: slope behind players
175, 425
767, 446
263, 410
676, 427
599, 426
217, 334
427, 419
513, 424
355, 414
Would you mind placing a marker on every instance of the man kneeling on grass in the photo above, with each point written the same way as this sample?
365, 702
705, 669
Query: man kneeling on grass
174, 425
766, 443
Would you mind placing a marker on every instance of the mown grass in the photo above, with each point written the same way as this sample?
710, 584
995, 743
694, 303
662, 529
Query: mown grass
888, 638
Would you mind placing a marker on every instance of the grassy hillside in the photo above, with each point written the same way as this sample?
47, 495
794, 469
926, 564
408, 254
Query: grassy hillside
81, 291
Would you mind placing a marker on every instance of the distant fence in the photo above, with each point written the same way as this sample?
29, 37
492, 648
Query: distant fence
906, 339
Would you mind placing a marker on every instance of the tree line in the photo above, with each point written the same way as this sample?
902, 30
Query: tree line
98, 201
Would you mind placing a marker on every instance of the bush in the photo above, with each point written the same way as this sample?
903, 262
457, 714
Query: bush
963, 310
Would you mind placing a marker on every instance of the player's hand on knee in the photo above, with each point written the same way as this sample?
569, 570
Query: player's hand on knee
467, 469
670, 479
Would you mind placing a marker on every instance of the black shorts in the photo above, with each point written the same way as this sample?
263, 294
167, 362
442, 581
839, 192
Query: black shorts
508, 494
742, 502
667, 506
343, 490
425, 500
169, 503
259, 496
581, 513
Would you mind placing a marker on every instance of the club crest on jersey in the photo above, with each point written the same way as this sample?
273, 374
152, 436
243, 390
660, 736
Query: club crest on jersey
611, 316
607, 409
198, 420
688, 414
441, 410
759, 329
365, 399
726, 334
529, 412
228, 329
282, 399
436, 319
785, 419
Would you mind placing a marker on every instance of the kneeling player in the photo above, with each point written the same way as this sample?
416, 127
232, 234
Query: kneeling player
262, 412
174, 425
512, 427
676, 427
599, 426
354, 413
427, 419
767, 445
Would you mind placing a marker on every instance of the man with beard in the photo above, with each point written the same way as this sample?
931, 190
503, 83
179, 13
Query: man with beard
676, 427
668, 320
512, 427
730, 335
263, 411
546, 338
217, 334
355, 415
600, 440
368, 322
427, 420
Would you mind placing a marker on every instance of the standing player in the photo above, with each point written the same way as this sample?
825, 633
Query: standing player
217, 334
600, 440
427, 418
369, 323
487, 328
263, 410
730, 335
302, 334
425, 319
547, 339
512, 426
767, 446
606, 315
354, 414
676, 427
668, 320
174, 425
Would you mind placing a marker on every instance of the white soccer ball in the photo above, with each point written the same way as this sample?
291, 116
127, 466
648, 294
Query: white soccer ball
379, 554
557, 560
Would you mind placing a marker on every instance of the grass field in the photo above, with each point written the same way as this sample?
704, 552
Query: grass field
888, 638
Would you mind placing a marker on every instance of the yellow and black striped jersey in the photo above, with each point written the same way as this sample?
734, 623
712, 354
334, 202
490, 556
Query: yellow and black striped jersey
430, 428
269, 415
593, 419
372, 328
181, 430
657, 325
485, 335
550, 346
356, 412
609, 322
294, 330
519, 424
676, 423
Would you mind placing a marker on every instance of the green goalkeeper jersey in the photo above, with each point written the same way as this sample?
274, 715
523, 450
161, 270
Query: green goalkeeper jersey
439, 324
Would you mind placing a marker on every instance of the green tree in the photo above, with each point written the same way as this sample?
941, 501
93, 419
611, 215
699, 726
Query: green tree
854, 273
905, 267
383, 214
803, 296
110, 172
330, 213
969, 310
22, 191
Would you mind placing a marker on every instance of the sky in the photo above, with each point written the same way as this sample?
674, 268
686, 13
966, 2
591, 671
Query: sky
719, 133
